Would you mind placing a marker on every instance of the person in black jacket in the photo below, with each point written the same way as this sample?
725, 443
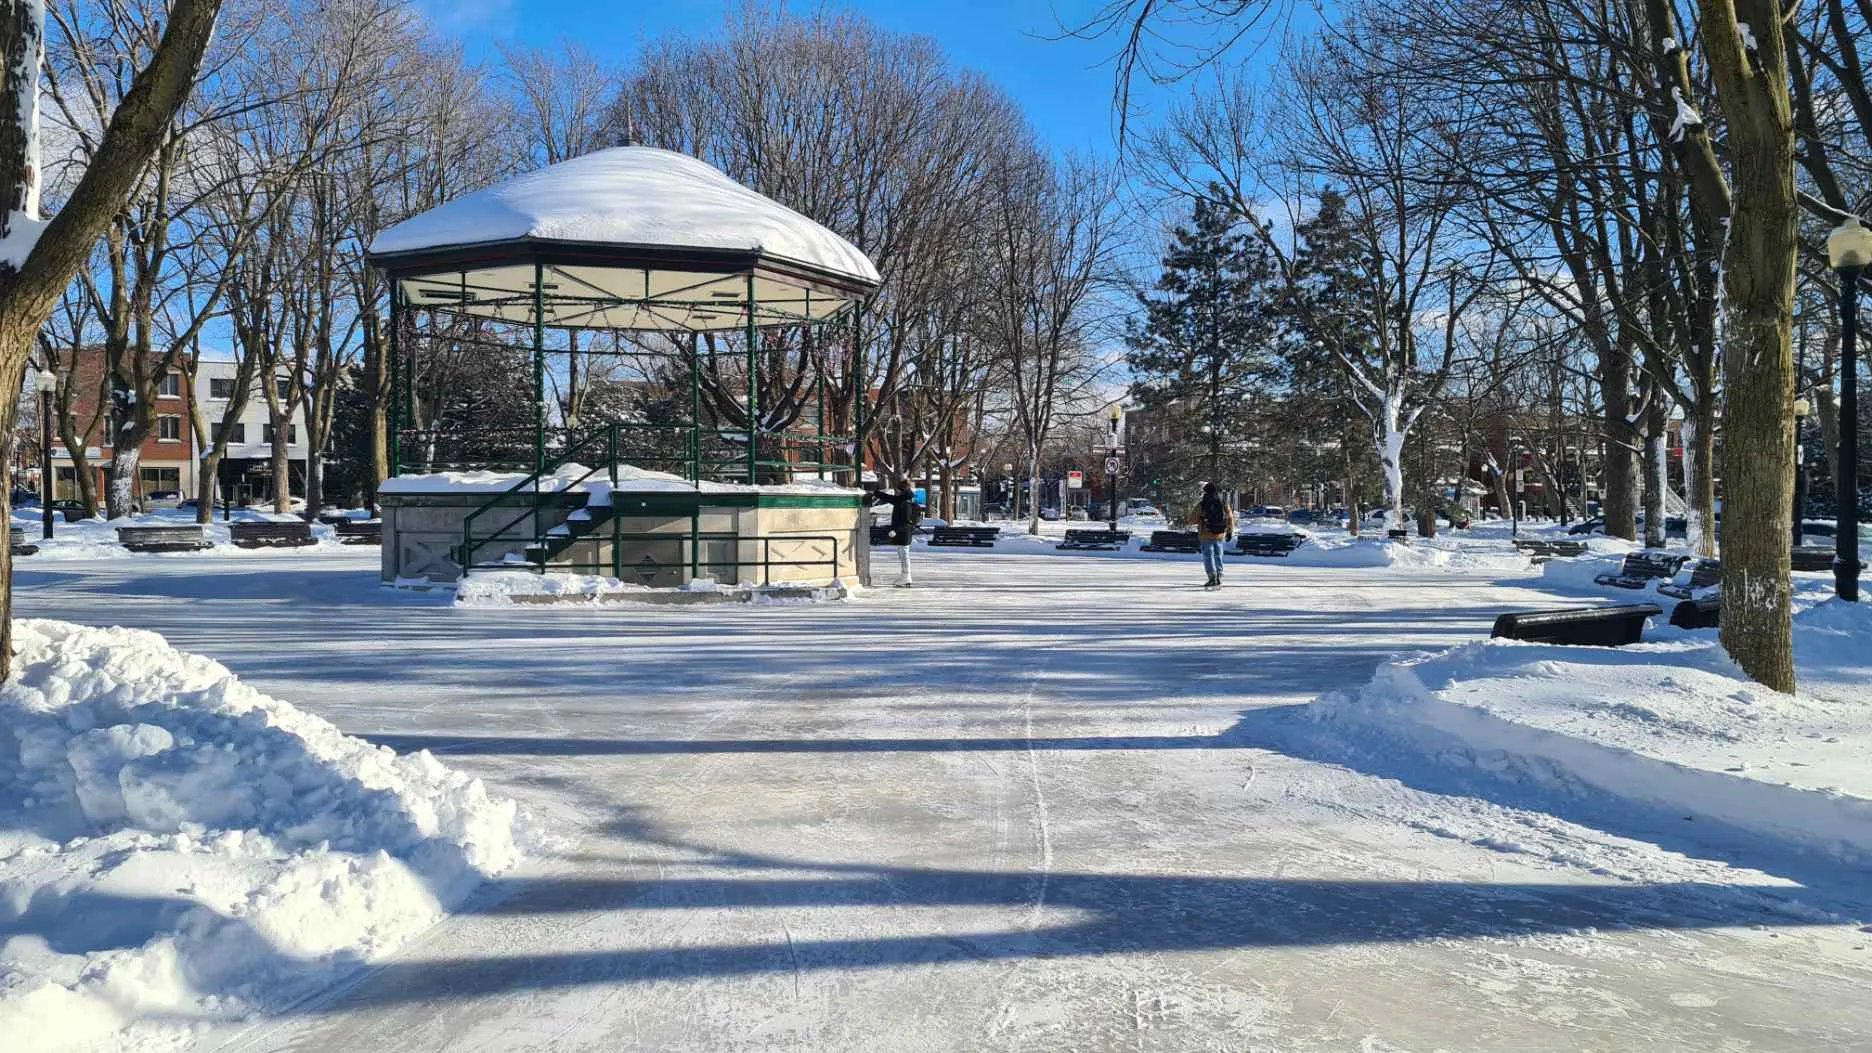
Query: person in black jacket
903, 522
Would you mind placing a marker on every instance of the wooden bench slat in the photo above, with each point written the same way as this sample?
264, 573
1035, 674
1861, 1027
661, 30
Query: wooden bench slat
163, 538
1173, 541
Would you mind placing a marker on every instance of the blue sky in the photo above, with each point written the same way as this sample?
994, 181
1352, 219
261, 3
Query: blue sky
1064, 85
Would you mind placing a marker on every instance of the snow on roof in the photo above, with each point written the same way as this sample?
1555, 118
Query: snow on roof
630, 195
578, 478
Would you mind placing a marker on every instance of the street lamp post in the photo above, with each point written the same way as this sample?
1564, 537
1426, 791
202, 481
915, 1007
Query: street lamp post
1801, 409
1111, 469
1013, 491
1849, 250
46, 382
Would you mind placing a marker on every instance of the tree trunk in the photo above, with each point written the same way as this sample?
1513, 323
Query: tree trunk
207, 483
29, 288
1620, 502
1656, 471
1699, 459
314, 483
282, 464
1758, 358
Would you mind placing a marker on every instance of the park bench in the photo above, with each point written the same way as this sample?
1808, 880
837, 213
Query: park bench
163, 538
1542, 551
294, 534
1095, 539
17, 541
359, 531
1705, 613
880, 535
1401, 536
1268, 545
1707, 572
1172, 541
1810, 558
964, 537
1578, 626
1641, 569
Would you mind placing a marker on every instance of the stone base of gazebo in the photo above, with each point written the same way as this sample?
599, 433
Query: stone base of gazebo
658, 535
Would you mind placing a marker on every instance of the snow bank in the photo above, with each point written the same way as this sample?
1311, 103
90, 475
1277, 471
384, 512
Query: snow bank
176, 847
506, 588
1668, 729
1323, 549
97, 538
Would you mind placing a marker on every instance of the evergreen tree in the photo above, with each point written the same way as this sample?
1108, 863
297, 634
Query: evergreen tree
1327, 316
1201, 351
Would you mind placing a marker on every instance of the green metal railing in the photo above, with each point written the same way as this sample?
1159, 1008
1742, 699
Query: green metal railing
530, 486
690, 556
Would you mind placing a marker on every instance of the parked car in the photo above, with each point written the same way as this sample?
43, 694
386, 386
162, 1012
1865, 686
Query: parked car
162, 499
191, 504
1076, 514
1049, 514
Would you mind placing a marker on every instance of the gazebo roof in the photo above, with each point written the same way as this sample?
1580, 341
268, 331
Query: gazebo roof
634, 237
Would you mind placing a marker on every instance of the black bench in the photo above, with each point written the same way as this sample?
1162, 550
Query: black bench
1809, 558
359, 531
16, 538
163, 538
1398, 535
294, 534
1578, 626
1641, 569
965, 537
1172, 541
1268, 545
1705, 613
881, 535
1095, 539
1542, 551
1708, 572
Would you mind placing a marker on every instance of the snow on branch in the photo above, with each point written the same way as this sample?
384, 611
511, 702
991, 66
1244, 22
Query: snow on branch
1687, 116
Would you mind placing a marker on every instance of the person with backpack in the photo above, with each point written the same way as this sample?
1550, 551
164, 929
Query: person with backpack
903, 521
1214, 521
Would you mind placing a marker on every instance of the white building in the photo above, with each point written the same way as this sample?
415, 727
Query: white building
247, 470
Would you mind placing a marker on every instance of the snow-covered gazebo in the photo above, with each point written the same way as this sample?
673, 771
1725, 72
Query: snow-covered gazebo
628, 239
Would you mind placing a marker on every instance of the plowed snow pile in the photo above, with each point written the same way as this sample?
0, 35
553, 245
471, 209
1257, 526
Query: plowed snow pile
176, 847
1669, 729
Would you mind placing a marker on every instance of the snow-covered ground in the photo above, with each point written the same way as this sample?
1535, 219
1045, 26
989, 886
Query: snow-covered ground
1042, 801
177, 849
89, 539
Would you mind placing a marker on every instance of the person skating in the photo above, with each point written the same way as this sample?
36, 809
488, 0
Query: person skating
1214, 521
903, 521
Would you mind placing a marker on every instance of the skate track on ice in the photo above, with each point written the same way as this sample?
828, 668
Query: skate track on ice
1029, 805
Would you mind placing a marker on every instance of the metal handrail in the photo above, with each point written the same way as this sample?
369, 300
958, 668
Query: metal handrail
533, 480
765, 563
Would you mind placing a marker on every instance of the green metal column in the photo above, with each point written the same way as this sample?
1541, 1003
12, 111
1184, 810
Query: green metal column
695, 408
539, 368
753, 389
396, 379
862, 392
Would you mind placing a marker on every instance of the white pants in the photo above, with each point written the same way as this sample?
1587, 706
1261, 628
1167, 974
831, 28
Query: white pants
903, 563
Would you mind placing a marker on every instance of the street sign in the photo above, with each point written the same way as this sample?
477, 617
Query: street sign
1075, 480
1111, 466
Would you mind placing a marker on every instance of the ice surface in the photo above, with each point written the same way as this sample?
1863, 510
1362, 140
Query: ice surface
1044, 800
